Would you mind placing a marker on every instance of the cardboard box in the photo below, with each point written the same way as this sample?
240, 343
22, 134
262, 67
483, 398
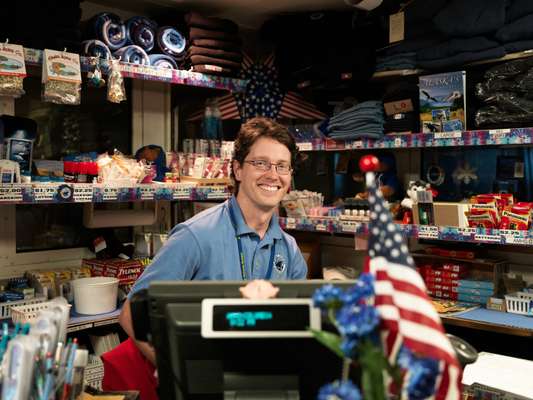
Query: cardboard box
446, 214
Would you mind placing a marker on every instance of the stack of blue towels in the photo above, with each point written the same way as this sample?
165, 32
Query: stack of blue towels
364, 120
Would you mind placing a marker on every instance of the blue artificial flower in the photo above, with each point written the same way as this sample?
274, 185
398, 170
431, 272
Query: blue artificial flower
339, 390
327, 296
349, 346
405, 357
423, 374
357, 320
363, 289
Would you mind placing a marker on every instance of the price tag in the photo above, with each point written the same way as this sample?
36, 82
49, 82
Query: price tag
182, 192
396, 27
305, 146
76, 328
466, 231
398, 142
44, 192
512, 239
448, 135
106, 322
10, 193
320, 227
83, 193
110, 193
217, 193
349, 226
428, 232
487, 238
290, 223
499, 132
147, 192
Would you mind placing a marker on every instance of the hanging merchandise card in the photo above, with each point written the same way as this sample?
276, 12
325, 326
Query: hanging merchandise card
61, 77
12, 70
61, 66
12, 60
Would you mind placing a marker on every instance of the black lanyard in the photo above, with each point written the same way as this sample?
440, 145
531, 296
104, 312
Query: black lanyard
241, 252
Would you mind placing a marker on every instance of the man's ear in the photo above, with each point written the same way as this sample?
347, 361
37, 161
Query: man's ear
237, 170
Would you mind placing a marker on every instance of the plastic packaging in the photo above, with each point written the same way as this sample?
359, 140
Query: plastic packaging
116, 92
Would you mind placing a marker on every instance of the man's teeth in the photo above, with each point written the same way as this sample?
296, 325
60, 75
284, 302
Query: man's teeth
269, 188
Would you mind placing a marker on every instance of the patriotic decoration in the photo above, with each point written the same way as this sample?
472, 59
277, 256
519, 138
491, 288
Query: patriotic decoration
407, 315
263, 96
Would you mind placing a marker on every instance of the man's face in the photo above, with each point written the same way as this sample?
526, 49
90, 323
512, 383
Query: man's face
263, 189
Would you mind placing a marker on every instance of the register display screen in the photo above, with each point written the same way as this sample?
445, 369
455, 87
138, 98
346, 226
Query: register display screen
268, 317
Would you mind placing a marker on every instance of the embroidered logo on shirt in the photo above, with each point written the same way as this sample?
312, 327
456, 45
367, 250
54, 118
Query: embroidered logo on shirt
279, 263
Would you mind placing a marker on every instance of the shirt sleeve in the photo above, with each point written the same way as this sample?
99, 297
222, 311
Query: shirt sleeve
178, 259
298, 266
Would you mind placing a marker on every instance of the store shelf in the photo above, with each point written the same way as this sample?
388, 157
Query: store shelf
174, 76
490, 137
398, 73
80, 322
445, 233
42, 193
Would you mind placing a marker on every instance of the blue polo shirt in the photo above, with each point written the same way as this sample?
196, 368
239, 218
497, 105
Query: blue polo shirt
205, 248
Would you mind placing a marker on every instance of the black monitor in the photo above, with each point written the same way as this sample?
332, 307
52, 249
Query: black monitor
194, 367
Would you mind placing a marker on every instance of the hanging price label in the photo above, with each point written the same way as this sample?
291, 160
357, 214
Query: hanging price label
448, 135
487, 238
349, 226
44, 193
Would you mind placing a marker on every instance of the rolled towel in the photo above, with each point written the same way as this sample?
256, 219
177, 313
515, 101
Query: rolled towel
217, 24
96, 48
133, 54
110, 29
199, 33
199, 60
216, 53
213, 70
217, 44
142, 32
162, 61
171, 42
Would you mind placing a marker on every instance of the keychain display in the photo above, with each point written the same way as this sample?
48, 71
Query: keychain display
12, 70
61, 77
116, 92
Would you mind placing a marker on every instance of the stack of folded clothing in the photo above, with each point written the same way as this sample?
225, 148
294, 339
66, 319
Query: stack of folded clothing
215, 45
364, 120
393, 62
401, 107
517, 33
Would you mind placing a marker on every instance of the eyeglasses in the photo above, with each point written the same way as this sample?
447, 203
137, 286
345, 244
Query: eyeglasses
263, 165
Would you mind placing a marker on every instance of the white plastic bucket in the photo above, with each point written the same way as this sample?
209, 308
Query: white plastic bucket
95, 295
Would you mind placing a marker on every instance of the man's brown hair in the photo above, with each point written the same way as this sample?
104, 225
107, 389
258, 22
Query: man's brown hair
260, 127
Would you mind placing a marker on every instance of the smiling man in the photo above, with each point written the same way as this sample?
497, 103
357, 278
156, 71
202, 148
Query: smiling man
239, 239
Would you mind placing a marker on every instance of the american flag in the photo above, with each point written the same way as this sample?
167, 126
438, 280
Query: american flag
263, 96
407, 314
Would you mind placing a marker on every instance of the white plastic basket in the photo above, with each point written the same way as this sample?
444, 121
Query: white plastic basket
5, 308
519, 303
28, 312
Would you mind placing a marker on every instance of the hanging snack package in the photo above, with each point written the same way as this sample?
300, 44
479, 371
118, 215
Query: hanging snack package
61, 77
12, 70
116, 92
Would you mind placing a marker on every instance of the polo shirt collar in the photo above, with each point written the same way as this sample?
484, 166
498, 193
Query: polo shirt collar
273, 231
